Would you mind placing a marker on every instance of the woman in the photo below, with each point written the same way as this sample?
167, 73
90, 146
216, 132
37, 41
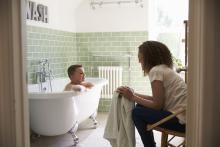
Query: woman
168, 92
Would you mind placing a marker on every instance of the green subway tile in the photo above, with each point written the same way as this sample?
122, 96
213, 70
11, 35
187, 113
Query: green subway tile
115, 43
129, 39
83, 39
140, 38
125, 44
102, 39
106, 34
93, 39
117, 33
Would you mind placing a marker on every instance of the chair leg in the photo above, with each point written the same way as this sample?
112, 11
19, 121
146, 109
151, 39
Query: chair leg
182, 144
164, 138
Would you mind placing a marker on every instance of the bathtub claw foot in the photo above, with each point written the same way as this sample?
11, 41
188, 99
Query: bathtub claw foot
34, 137
95, 122
75, 140
93, 118
73, 133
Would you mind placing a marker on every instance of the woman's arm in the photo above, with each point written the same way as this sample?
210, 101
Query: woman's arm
143, 96
156, 101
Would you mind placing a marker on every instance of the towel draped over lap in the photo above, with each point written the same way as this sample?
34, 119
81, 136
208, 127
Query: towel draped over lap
119, 129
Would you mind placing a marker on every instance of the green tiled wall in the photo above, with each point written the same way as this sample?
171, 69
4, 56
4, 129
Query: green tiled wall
59, 47
113, 49
89, 49
104, 105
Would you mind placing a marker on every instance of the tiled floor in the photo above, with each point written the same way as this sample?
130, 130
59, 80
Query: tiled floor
89, 137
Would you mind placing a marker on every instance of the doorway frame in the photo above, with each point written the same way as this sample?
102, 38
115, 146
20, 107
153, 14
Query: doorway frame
14, 120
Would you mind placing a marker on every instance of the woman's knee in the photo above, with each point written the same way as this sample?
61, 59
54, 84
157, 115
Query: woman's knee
143, 113
135, 113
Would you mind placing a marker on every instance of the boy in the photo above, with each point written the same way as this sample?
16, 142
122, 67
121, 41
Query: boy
77, 77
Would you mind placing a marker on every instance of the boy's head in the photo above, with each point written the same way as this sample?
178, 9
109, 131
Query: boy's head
76, 74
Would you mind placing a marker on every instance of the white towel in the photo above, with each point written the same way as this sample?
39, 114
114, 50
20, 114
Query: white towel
119, 129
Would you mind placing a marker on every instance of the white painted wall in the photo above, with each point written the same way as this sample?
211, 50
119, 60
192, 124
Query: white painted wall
111, 17
61, 14
78, 16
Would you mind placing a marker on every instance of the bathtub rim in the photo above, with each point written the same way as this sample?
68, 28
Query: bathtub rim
65, 94
51, 95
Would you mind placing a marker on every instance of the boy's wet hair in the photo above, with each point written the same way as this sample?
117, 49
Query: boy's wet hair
72, 69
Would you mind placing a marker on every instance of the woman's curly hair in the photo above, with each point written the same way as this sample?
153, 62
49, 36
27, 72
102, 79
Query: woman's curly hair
155, 53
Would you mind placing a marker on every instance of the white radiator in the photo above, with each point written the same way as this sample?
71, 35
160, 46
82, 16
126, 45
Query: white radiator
114, 76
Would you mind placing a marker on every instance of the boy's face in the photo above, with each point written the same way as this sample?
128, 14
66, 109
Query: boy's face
78, 76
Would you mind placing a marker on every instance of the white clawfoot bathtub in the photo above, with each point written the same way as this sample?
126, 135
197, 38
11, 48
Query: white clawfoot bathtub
56, 113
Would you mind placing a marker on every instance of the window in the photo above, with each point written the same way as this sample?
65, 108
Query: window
166, 24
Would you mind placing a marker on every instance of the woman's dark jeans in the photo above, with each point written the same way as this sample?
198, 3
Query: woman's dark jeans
143, 116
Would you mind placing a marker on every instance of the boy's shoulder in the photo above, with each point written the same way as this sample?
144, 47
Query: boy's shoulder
87, 84
73, 87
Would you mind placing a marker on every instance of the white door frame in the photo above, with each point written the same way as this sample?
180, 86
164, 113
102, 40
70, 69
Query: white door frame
203, 78
14, 120
204, 74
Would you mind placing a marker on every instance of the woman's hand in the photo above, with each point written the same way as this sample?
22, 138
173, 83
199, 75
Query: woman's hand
126, 92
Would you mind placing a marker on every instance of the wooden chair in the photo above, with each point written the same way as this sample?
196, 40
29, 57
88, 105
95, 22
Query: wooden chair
165, 132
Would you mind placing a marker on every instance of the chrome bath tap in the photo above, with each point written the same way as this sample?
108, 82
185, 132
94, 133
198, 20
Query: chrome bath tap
44, 74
